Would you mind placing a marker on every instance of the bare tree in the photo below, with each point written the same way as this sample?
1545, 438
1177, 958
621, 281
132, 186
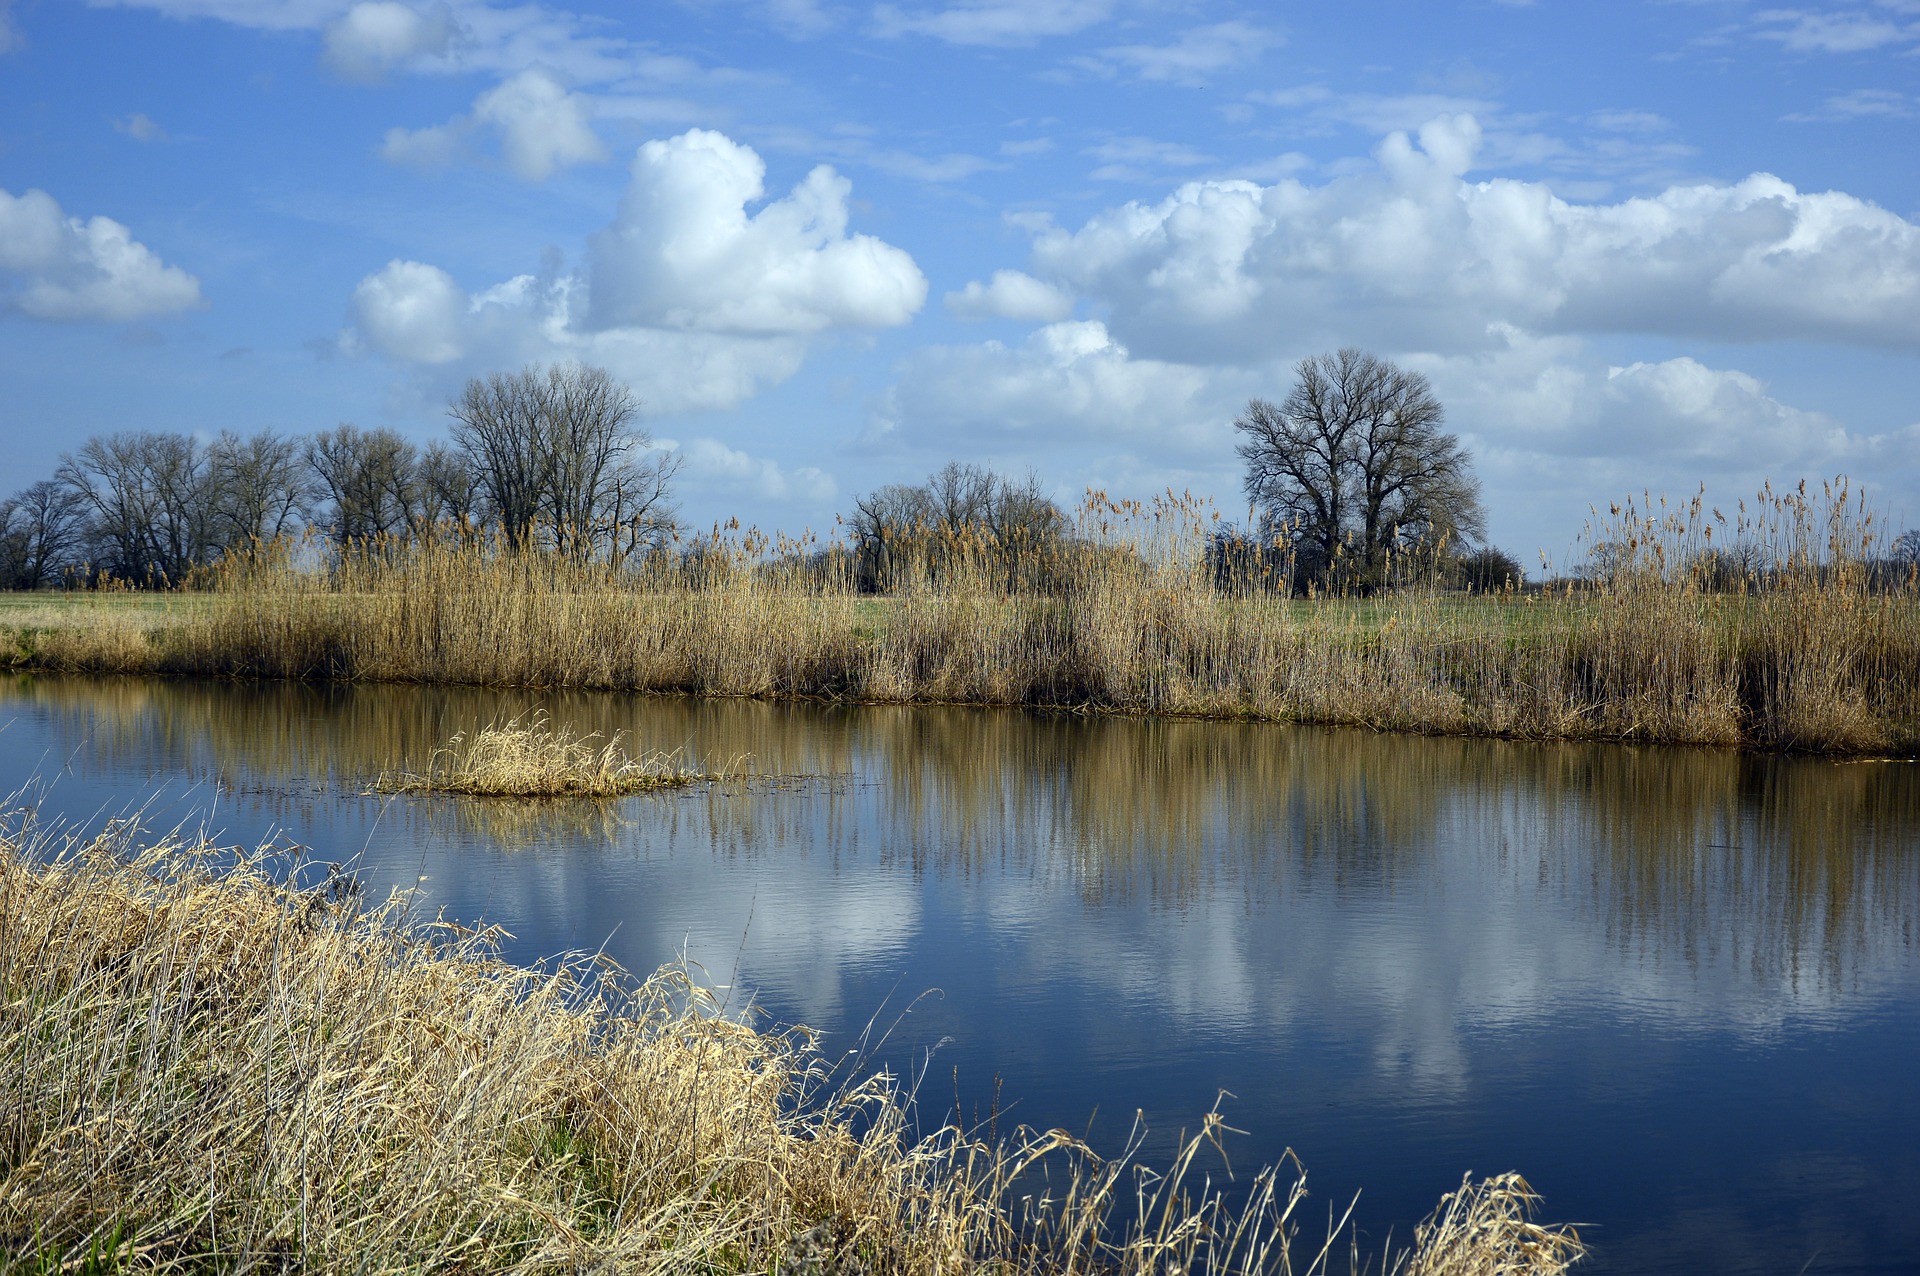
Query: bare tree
1355, 463
886, 523
448, 492
41, 529
1906, 547
151, 500
554, 451
263, 485
367, 482
959, 505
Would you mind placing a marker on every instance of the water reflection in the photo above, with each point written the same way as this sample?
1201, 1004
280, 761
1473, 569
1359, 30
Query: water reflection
1594, 963
1795, 871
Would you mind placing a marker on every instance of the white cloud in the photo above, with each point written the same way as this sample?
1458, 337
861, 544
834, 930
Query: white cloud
1859, 104
542, 126
1547, 397
1026, 146
1011, 295
10, 37
1552, 429
952, 167
1412, 256
802, 19
57, 267
1003, 22
267, 15
1127, 159
683, 252
693, 302
1193, 57
413, 311
1630, 121
435, 146
373, 38
712, 464
1296, 98
480, 37
140, 128
1069, 379
1853, 31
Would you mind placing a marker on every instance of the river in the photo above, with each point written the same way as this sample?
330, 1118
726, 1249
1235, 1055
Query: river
1679, 990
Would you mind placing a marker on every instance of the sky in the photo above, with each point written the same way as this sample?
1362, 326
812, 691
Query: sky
1636, 246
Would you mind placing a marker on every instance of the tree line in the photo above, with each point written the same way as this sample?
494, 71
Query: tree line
545, 457
1354, 483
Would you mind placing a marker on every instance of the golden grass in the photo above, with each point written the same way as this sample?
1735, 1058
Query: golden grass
1804, 647
207, 1070
536, 759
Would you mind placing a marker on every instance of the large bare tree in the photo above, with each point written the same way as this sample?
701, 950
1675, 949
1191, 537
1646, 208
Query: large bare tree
1356, 466
152, 503
261, 484
367, 483
556, 454
41, 529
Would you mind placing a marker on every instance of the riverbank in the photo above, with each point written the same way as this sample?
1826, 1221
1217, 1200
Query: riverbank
209, 1071
1817, 660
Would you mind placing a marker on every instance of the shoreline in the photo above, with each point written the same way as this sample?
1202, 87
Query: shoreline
1822, 671
301, 1077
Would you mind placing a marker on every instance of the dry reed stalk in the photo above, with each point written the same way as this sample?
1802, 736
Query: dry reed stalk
1783, 633
535, 759
210, 1070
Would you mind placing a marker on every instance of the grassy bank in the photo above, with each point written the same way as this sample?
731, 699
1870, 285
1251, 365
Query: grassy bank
1792, 639
207, 1071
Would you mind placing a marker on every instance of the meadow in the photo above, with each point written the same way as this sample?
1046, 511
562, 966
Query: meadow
1786, 632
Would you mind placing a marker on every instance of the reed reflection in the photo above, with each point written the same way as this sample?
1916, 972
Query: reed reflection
1800, 873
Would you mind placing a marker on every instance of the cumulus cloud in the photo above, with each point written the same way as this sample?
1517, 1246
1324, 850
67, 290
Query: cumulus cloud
413, 311
1069, 379
435, 146
57, 267
542, 126
684, 253
693, 301
1010, 295
371, 39
1411, 255
1549, 398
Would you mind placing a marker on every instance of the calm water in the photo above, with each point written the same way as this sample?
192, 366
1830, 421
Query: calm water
1679, 990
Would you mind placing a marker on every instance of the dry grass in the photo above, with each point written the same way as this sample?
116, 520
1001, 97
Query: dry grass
1802, 646
209, 1071
535, 759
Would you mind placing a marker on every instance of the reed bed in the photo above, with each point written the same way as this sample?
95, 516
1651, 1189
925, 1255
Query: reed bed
1775, 628
212, 1069
535, 759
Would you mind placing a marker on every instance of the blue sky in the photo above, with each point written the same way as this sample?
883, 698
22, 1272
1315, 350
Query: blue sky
1634, 245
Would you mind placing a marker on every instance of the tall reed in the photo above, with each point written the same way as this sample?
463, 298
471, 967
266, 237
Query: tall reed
210, 1070
1777, 628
